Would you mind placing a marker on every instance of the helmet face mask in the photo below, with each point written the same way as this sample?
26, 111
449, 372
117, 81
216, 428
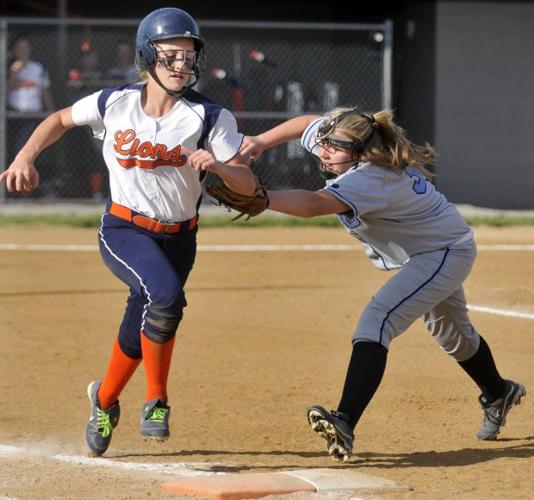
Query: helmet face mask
327, 173
333, 144
178, 60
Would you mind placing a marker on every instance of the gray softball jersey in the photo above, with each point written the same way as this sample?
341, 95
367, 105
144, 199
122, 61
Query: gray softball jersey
397, 215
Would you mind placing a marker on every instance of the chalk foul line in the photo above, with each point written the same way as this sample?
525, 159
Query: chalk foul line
500, 312
36, 247
183, 469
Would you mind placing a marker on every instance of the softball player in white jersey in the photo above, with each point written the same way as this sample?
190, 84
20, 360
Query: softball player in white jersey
159, 139
379, 188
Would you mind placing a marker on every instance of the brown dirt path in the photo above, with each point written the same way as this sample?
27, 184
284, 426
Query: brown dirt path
265, 335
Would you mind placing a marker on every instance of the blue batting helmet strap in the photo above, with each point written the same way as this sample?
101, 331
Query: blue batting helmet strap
168, 22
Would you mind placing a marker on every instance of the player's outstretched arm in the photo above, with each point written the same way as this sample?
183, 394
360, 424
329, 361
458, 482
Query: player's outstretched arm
22, 176
304, 203
290, 130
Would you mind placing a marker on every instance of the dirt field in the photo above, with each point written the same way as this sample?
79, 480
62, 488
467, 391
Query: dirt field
265, 335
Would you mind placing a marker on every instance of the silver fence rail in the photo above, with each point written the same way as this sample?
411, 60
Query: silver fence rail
264, 72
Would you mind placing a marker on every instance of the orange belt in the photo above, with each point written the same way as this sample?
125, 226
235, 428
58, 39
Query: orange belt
150, 224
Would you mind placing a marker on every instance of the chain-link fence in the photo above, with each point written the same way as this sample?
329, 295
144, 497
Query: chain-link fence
263, 72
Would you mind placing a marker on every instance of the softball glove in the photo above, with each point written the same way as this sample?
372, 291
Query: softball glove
249, 205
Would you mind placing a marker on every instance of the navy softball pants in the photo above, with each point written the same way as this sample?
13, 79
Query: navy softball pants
155, 267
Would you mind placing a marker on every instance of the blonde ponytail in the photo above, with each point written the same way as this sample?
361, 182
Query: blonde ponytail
386, 144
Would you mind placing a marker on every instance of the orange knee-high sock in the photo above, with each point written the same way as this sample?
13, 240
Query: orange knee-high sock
120, 370
157, 361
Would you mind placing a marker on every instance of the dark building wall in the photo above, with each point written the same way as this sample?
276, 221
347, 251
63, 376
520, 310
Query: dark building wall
414, 70
484, 102
241, 10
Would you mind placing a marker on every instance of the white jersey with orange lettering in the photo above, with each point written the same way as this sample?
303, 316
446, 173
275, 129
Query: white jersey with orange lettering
147, 168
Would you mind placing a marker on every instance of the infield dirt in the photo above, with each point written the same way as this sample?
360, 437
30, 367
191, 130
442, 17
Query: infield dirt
265, 335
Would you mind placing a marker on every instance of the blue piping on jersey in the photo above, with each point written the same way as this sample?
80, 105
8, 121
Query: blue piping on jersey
381, 258
383, 261
341, 198
237, 152
102, 101
390, 220
211, 113
211, 110
413, 293
106, 93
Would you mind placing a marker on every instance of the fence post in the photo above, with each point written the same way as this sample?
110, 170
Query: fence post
3, 102
388, 62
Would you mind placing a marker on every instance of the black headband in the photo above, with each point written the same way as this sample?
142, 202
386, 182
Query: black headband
325, 129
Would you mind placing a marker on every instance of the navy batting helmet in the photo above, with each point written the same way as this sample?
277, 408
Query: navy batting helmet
161, 24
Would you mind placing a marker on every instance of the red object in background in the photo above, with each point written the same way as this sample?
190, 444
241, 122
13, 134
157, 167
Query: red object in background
239, 99
257, 55
74, 74
218, 73
261, 58
96, 182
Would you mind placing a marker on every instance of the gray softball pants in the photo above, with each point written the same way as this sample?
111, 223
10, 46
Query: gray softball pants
429, 285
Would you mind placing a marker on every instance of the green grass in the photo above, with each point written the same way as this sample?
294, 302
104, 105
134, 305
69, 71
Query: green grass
499, 220
267, 221
226, 220
50, 220
205, 221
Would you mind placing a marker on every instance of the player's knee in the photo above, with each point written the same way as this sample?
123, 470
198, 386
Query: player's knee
440, 324
167, 295
458, 344
161, 321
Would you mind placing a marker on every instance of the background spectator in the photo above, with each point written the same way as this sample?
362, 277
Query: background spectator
84, 80
28, 88
89, 67
124, 70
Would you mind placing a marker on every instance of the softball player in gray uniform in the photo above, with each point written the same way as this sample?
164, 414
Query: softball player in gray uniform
378, 186
159, 139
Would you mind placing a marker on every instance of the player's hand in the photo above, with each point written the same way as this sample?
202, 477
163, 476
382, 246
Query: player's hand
16, 67
202, 160
21, 176
252, 147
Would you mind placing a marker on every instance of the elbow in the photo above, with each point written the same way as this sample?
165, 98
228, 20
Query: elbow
64, 118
